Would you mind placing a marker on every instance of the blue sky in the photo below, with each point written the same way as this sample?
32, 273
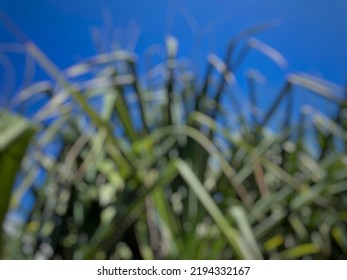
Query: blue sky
312, 34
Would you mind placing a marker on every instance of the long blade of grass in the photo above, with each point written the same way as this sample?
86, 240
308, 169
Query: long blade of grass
270, 52
240, 248
246, 34
171, 46
140, 98
320, 87
241, 218
284, 91
299, 251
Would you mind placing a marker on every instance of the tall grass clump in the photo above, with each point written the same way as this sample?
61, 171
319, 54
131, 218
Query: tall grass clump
162, 164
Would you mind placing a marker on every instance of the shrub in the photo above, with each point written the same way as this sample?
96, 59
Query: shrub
170, 167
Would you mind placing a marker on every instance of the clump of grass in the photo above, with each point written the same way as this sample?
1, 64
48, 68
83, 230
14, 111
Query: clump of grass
162, 168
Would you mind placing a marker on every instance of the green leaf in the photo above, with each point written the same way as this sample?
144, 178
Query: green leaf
16, 134
299, 251
239, 246
241, 218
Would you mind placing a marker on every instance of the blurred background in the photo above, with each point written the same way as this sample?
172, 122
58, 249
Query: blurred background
279, 194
